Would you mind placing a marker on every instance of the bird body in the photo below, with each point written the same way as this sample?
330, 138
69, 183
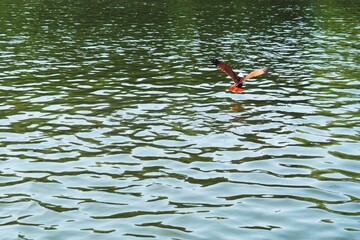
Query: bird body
238, 79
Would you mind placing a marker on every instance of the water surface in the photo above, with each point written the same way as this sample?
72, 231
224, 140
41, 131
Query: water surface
114, 125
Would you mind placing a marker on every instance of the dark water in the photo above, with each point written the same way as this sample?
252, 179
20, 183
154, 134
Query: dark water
113, 124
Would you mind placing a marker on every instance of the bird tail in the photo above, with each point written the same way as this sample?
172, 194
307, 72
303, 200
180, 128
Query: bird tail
235, 88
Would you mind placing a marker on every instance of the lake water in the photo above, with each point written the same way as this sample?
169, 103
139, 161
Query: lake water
114, 124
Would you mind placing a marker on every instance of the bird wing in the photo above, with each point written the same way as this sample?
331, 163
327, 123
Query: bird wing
226, 69
254, 74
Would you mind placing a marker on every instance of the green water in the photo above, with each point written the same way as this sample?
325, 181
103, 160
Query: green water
114, 124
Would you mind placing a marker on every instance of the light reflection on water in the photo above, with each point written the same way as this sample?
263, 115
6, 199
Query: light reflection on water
115, 125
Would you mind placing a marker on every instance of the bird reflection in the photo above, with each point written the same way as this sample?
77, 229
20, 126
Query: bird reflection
237, 107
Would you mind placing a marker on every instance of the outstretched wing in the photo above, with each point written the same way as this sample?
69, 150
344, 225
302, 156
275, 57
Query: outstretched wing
226, 69
254, 74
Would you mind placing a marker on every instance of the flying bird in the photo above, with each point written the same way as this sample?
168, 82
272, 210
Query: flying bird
238, 79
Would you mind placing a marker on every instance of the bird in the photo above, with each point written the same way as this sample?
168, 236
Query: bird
238, 79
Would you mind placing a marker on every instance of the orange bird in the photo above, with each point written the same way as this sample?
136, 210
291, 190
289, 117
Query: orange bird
238, 79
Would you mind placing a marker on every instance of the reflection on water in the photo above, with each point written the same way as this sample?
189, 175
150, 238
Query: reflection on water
115, 125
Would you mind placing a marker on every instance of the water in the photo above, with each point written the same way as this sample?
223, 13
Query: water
114, 125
